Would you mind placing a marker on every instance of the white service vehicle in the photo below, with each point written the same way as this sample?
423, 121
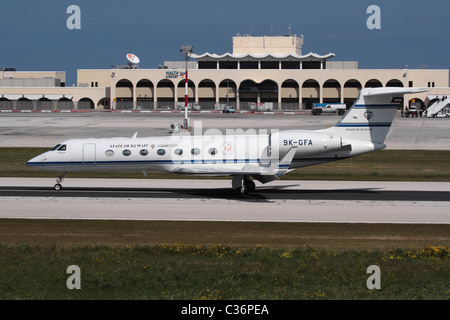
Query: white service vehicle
175, 127
191, 107
261, 107
319, 108
436, 109
444, 113
412, 111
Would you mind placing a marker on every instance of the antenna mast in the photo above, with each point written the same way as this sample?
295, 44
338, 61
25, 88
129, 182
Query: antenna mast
187, 51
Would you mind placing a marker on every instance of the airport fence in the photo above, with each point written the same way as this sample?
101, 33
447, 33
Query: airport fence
42, 105
87, 104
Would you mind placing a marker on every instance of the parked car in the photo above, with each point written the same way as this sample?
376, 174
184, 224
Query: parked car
228, 109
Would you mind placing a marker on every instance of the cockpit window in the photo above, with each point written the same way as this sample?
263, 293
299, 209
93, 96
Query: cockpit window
55, 147
62, 148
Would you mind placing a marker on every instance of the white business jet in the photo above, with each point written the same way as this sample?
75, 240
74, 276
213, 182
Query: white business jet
261, 156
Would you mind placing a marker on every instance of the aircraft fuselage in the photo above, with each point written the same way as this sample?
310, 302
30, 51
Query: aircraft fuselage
213, 155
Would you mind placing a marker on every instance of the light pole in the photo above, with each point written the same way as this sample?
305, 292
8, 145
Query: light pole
187, 51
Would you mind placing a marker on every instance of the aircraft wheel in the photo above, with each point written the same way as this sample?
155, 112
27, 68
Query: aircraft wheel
243, 189
251, 185
247, 186
57, 187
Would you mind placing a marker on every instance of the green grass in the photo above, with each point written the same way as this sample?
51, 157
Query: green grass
390, 165
221, 260
220, 272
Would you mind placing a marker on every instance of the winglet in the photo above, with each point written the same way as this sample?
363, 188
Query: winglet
288, 157
285, 163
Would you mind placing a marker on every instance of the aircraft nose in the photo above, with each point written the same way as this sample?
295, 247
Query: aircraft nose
37, 161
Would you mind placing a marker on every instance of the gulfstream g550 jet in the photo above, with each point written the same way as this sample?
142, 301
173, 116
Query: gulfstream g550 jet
263, 156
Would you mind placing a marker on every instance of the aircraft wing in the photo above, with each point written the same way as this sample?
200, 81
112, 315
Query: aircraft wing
248, 169
391, 91
208, 170
276, 168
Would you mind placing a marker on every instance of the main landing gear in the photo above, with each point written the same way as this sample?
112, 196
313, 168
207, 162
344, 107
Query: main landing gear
247, 187
59, 180
243, 184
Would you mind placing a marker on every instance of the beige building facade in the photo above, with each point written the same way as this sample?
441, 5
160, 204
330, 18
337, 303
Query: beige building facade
266, 72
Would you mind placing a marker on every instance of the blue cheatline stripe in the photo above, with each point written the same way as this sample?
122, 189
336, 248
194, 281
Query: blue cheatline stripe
153, 162
379, 124
191, 161
318, 159
376, 106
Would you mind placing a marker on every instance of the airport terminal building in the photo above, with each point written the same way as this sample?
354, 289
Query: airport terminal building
268, 72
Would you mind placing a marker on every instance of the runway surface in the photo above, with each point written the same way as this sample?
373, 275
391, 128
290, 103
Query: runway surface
289, 201
265, 193
148, 199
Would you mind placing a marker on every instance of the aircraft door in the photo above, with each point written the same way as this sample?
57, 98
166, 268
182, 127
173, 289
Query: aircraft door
89, 158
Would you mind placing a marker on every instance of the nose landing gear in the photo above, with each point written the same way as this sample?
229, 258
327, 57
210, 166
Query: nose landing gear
59, 180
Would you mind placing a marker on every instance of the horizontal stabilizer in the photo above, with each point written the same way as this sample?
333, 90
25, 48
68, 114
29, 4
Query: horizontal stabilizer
391, 91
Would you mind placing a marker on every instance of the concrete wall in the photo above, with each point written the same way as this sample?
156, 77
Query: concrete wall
261, 45
61, 75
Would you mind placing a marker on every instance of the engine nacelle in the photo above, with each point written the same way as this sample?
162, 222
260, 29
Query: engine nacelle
308, 143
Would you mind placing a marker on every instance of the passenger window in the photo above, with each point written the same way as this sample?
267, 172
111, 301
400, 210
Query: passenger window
126, 152
212, 151
178, 152
143, 152
161, 152
109, 153
195, 151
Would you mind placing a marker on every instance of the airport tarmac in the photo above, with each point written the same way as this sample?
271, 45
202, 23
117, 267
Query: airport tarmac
212, 200
148, 199
48, 129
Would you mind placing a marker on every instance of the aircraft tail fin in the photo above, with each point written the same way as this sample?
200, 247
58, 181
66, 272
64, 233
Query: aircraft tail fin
371, 116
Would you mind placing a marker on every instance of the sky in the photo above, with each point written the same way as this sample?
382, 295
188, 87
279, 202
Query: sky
35, 36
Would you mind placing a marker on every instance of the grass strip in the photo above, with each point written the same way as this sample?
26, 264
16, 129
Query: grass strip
326, 236
174, 271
